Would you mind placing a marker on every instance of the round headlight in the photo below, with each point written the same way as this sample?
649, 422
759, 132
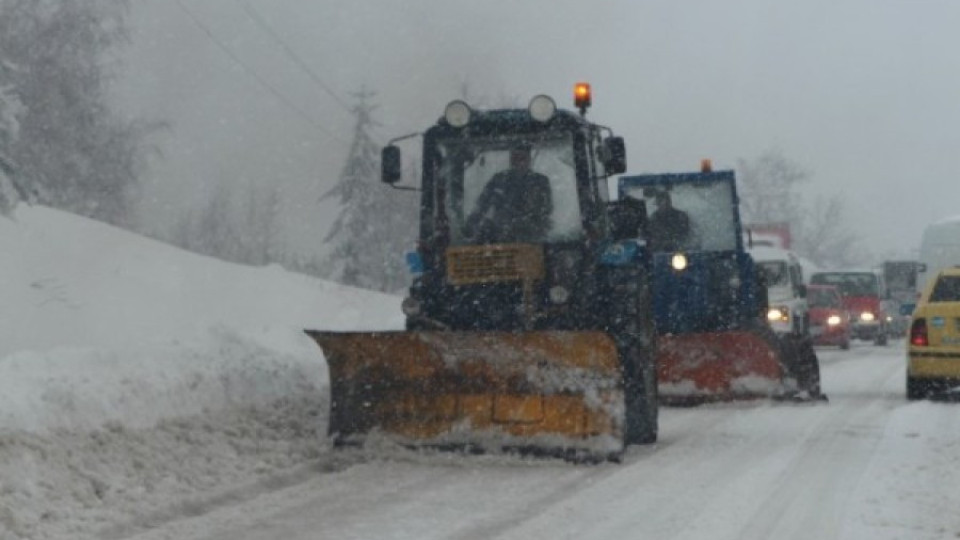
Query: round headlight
559, 295
410, 307
542, 108
678, 261
457, 113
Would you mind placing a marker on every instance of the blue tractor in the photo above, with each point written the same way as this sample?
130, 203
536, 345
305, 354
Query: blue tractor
709, 298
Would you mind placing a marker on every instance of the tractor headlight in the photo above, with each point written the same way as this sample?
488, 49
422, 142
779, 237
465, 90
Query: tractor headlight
559, 295
410, 306
778, 314
679, 262
457, 113
833, 320
542, 108
866, 316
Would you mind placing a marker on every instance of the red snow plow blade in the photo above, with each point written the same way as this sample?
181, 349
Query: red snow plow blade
720, 366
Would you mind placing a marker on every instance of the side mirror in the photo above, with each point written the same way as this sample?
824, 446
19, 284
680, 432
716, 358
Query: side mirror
390, 164
614, 155
628, 218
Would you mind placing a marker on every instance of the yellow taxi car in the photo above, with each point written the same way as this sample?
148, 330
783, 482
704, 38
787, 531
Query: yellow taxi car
933, 353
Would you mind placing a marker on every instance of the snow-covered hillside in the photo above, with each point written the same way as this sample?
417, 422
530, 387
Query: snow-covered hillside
134, 374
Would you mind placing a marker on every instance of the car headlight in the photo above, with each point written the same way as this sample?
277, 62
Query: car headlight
867, 316
778, 314
833, 320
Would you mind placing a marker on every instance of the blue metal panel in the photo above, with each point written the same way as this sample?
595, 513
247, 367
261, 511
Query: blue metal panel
623, 253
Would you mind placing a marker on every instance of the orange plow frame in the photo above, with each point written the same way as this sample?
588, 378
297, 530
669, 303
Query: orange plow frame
549, 391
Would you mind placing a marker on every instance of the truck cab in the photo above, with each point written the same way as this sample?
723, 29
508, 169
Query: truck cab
866, 298
787, 309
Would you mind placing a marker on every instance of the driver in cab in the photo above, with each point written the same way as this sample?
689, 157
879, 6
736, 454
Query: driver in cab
669, 227
515, 205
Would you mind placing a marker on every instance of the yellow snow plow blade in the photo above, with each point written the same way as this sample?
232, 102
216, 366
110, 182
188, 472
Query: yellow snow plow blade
558, 392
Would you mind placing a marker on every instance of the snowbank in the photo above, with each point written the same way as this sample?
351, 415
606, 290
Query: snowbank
134, 374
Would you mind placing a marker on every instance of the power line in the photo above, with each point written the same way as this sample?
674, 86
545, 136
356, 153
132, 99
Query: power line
263, 82
252, 13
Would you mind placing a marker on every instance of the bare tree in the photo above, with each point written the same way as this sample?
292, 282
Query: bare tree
770, 193
825, 238
768, 189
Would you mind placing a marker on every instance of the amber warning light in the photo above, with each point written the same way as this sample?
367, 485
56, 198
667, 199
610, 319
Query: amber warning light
582, 97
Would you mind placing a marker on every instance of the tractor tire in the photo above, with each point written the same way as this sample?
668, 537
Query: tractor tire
642, 408
801, 363
632, 326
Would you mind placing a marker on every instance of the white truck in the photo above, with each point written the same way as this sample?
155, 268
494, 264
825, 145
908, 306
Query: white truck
787, 311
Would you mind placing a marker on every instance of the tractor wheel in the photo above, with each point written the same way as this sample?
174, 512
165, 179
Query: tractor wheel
642, 407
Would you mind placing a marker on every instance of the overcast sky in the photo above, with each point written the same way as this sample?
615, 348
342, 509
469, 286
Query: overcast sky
865, 94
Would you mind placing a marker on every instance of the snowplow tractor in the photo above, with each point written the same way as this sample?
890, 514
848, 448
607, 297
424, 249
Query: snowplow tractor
529, 323
709, 299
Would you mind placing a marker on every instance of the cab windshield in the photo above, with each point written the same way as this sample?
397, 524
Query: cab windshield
822, 297
709, 208
487, 201
775, 273
849, 283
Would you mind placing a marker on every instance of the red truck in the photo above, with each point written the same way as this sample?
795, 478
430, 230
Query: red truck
866, 298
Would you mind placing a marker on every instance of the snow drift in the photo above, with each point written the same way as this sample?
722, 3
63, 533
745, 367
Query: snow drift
134, 375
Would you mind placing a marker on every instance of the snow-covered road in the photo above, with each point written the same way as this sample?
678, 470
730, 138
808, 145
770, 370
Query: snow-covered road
866, 465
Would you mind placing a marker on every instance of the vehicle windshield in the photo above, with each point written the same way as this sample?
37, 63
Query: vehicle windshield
486, 200
822, 298
775, 273
849, 283
947, 289
709, 208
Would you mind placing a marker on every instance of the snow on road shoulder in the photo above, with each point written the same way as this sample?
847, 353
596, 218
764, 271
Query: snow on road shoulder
919, 454
134, 376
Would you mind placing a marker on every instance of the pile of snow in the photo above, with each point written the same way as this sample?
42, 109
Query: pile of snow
134, 375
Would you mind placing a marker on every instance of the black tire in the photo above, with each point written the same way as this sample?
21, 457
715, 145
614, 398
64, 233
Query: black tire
633, 328
881, 337
642, 408
806, 368
916, 389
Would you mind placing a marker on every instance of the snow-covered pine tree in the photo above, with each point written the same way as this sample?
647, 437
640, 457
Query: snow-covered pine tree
74, 151
376, 225
10, 110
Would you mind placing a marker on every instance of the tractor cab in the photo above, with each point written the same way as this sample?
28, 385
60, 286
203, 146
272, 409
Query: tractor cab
515, 212
703, 278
